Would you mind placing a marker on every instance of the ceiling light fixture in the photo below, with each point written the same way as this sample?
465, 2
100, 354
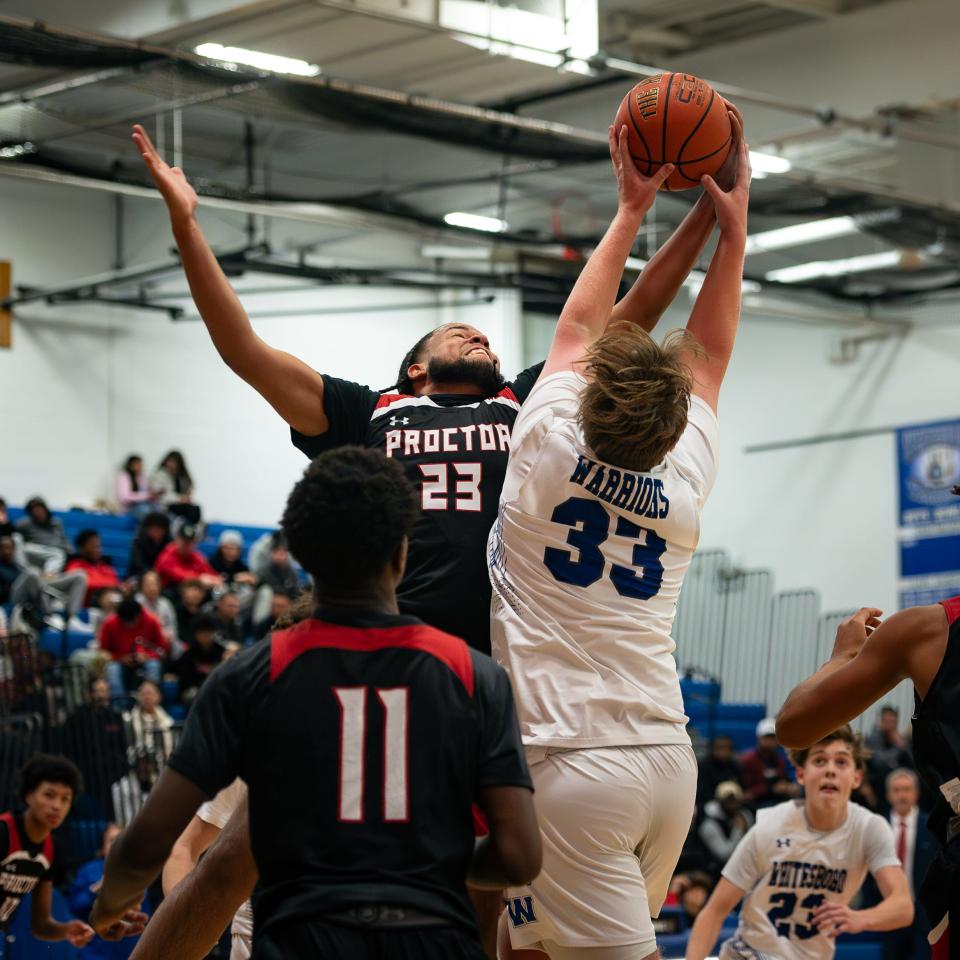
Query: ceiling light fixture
17, 150
271, 62
799, 233
473, 221
836, 268
765, 163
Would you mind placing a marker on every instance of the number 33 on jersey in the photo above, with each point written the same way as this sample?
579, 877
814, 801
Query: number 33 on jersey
586, 560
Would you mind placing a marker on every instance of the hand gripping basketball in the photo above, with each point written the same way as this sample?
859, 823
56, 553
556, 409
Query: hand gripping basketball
635, 192
731, 205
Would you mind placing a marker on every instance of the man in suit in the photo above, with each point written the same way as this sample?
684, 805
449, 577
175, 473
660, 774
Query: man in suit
916, 848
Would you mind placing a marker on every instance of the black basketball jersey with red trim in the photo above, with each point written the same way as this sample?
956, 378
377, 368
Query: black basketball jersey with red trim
23, 864
364, 741
936, 734
454, 450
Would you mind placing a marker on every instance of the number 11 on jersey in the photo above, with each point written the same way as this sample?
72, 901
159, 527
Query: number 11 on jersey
395, 705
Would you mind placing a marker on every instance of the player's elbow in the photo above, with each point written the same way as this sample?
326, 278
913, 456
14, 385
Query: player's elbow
791, 732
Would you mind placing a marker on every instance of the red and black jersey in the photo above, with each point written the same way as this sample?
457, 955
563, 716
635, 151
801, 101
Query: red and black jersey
23, 864
454, 450
364, 740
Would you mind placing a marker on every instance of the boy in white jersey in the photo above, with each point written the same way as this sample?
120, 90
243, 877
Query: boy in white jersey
798, 868
612, 458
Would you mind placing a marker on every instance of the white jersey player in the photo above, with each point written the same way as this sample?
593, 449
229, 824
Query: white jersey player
798, 868
200, 834
612, 457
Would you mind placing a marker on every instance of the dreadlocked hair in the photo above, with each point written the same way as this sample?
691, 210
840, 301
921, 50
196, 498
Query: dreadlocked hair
634, 407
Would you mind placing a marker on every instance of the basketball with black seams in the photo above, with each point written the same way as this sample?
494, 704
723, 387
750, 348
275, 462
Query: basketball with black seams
680, 119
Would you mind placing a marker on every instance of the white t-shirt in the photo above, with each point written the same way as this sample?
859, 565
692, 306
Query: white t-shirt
586, 561
788, 869
218, 812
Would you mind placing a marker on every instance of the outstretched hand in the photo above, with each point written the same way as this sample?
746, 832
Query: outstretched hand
731, 204
180, 197
635, 192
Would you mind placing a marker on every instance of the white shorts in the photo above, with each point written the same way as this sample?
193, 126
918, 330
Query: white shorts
613, 822
241, 933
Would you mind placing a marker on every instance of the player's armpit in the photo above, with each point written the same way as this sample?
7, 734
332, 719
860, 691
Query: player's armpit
847, 684
222, 881
511, 854
293, 388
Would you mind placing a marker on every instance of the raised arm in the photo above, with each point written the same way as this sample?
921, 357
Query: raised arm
716, 313
869, 658
288, 384
590, 305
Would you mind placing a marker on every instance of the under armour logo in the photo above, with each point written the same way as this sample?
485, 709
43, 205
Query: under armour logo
783, 842
399, 420
520, 910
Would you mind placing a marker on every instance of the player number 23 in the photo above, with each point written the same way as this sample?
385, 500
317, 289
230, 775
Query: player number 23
783, 904
591, 527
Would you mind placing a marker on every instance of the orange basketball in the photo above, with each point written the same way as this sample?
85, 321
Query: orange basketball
679, 119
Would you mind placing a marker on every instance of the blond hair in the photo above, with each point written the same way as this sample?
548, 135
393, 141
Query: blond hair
634, 407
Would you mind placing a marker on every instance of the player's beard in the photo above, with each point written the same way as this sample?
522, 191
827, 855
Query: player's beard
479, 373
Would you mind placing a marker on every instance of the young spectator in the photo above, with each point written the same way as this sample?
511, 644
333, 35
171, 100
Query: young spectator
48, 786
226, 611
83, 891
172, 486
227, 560
99, 570
280, 607
130, 791
26, 589
150, 726
889, 749
133, 491
45, 541
199, 659
718, 766
135, 643
724, 823
188, 605
152, 536
693, 893
153, 601
277, 575
93, 737
764, 770
181, 560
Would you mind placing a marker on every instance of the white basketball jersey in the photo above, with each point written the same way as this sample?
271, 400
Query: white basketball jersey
586, 560
789, 869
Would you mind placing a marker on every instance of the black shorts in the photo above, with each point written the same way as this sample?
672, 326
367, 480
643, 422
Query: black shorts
318, 940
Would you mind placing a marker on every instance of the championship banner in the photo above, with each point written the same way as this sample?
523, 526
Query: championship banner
929, 519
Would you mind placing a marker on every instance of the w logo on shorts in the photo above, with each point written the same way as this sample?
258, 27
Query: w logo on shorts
520, 910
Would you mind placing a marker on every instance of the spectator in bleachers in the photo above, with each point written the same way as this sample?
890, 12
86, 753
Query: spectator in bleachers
133, 489
130, 791
181, 560
725, 821
93, 737
188, 605
764, 770
693, 893
200, 658
134, 640
151, 598
889, 748
45, 541
226, 610
6, 524
33, 594
718, 766
83, 891
277, 575
280, 607
172, 486
153, 535
227, 560
149, 726
89, 558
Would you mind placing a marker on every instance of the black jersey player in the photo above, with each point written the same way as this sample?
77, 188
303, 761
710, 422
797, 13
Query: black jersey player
921, 644
448, 421
364, 737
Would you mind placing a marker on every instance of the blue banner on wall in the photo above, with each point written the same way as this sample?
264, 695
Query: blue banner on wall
929, 466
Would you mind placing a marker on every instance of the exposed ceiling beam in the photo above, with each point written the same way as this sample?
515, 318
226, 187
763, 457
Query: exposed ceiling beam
815, 8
